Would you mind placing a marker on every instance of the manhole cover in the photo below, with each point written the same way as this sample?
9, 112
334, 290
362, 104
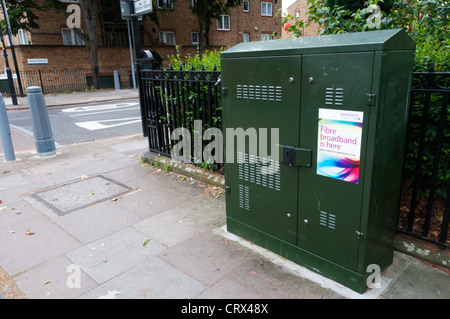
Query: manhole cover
72, 196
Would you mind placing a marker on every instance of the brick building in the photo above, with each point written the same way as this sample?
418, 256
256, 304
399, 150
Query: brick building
298, 10
54, 45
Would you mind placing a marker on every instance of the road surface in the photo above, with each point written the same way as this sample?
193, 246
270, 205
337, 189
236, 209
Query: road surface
84, 123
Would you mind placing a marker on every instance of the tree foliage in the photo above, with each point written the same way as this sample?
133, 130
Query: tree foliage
354, 5
22, 15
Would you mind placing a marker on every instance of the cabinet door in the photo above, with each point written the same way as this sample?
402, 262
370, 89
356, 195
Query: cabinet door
333, 124
262, 93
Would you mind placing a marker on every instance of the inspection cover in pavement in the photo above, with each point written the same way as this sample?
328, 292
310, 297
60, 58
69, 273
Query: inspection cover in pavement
81, 193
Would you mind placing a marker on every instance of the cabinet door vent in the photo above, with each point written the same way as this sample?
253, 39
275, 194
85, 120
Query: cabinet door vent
259, 92
244, 197
334, 96
327, 220
259, 170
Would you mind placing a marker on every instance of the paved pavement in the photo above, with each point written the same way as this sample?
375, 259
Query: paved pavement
95, 222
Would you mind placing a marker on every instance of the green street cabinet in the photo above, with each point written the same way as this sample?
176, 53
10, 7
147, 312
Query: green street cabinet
314, 133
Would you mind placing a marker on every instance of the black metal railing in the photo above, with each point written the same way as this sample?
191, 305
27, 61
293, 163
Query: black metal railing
69, 80
425, 203
176, 99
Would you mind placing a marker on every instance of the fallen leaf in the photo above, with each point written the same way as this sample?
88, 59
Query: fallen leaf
3, 208
146, 242
29, 232
46, 282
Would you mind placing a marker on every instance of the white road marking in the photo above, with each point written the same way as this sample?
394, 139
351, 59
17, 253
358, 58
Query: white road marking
97, 125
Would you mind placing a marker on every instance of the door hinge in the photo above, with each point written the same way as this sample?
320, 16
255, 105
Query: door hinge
228, 190
360, 236
224, 91
371, 99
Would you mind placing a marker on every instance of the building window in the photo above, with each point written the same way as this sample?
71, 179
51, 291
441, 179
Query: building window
22, 37
223, 23
266, 9
266, 36
165, 4
246, 6
167, 37
246, 37
194, 37
70, 37
297, 13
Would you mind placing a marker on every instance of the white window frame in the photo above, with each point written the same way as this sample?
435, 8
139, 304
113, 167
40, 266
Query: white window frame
163, 37
221, 22
195, 34
168, 3
246, 37
22, 37
76, 39
266, 36
265, 9
297, 13
246, 2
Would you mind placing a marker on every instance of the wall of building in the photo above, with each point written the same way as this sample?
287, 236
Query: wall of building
301, 6
47, 41
181, 21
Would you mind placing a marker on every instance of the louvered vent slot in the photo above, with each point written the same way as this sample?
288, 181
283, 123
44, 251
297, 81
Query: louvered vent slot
327, 220
259, 92
259, 170
334, 96
244, 197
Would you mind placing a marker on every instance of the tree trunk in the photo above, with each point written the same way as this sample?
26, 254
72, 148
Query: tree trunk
90, 13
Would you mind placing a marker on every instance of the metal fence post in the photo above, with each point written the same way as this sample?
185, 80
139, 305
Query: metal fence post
5, 133
116, 80
45, 145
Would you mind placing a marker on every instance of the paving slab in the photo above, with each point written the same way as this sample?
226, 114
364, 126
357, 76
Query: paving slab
57, 278
16, 213
273, 281
112, 255
154, 279
148, 201
10, 181
228, 288
97, 221
419, 281
32, 242
217, 256
181, 222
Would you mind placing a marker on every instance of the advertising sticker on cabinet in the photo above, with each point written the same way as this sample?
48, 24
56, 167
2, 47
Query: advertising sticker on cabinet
339, 144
